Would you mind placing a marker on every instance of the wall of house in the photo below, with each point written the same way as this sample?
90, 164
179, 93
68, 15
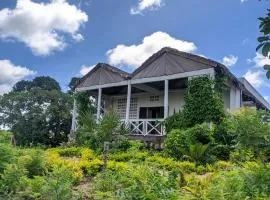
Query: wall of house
232, 101
176, 102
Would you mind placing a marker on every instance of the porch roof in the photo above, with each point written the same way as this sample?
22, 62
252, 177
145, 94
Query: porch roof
166, 62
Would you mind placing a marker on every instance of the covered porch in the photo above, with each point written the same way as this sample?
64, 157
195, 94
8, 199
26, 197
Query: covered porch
143, 104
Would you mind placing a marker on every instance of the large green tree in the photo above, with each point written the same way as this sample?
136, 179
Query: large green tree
37, 114
264, 40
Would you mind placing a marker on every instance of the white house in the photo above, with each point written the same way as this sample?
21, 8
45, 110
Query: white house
156, 89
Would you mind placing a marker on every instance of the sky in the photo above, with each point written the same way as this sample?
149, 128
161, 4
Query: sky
66, 38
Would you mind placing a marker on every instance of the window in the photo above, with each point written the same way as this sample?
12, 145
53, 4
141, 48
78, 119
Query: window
154, 98
121, 108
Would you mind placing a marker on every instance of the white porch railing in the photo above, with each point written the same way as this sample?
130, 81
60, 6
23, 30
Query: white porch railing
153, 127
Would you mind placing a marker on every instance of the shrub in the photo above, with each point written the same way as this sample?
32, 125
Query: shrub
175, 121
33, 162
180, 142
175, 141
242, 155
31, 188
135, 184
227, 185
223, 166
6, 155
59, 183
109, 129
252, 132
225, 132
5, 137
126, 156
221, 152
94, 167
10, 179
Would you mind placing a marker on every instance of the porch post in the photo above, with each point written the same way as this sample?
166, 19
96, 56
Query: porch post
74, 116
166, 98
128, 102
99, 102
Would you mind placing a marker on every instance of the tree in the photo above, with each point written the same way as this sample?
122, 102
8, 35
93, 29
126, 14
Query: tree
264, 40
43, 82
39, 115
73, 82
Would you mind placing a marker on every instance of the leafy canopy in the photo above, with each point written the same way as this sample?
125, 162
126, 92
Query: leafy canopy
264, 40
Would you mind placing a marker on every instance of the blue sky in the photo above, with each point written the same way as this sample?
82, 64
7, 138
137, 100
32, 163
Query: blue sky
59, 38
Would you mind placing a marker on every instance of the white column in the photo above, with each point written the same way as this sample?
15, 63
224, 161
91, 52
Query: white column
166, 98
128, 102
232, 98
99, 103
74, 116
238, 98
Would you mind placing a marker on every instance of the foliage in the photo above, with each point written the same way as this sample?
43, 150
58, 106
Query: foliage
175, 121
203, 103
6, 155
264, 40
195, 152
252, 133
5, 137
33, 162
134, 184
179, 142
42, 82
85, 103
109, 129
59, 183
46, 114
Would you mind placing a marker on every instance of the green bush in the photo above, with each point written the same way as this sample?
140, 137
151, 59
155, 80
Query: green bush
175, 141
58, 184
175, 121
252, 132
10, 179
109, 129
253, 183
221, 152
33, 162
135, 184
5, 137
6, 155
180, 142
225, 132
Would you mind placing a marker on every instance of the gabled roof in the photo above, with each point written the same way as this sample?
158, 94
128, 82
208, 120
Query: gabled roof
101, 74
169, 61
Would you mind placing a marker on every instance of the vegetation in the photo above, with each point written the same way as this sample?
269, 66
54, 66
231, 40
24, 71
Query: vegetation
40, 106
264, 40
221, 156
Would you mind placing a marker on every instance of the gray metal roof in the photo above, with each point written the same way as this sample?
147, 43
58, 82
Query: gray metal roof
102, 74
167, 61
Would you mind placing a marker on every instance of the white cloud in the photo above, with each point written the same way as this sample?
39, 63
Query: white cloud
43, 27
230, 60
85, 69
146, 5
135, 55
256, 78
10, 74
259, 60
243, 1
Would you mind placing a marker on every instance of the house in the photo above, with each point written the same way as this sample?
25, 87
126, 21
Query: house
156, 89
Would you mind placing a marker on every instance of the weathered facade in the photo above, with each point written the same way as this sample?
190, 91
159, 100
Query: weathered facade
156, 89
